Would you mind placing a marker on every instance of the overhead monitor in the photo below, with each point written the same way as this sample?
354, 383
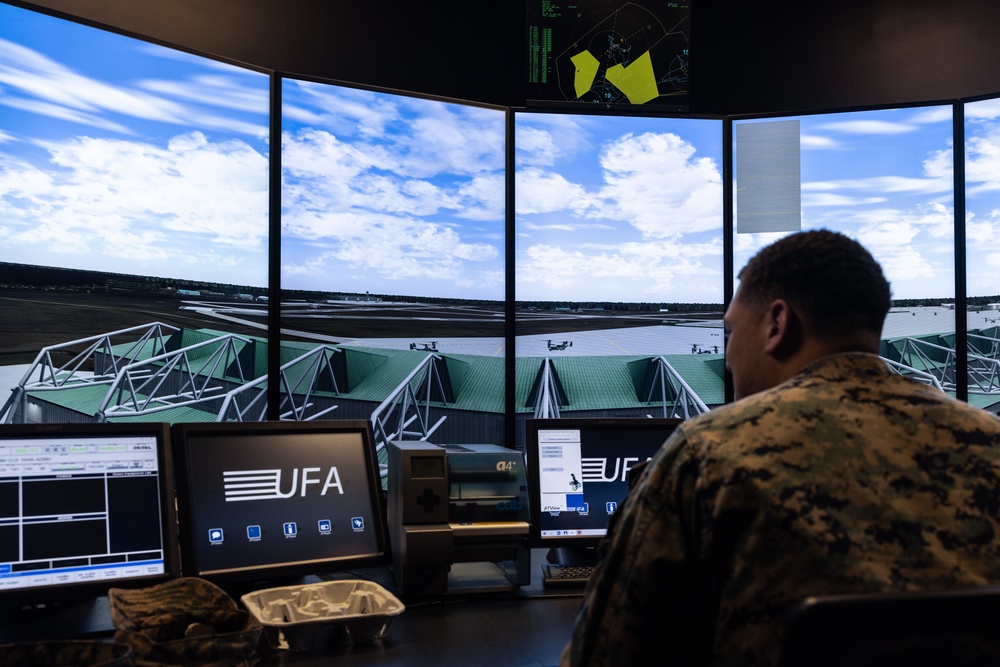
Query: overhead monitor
578, 477
260, 502
609, 53
83, 508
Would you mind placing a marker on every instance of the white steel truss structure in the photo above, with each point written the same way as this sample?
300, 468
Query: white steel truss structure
405, 413
547, 396
923, 359
673, 393
95, 364
300, 379
187, 377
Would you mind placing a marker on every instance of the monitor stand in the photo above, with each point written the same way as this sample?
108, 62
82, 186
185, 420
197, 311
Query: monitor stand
572, 556
568, 567
76, 619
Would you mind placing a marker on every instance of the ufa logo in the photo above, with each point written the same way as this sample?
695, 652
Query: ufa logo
266, 484
607, 470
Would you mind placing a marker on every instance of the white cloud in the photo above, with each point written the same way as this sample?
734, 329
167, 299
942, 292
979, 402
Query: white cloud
940, 164
535, 147
982, 160
654, 270
395, 248
906, 264
137, 201
940, 114
59, 112
834, 199
816, 141
869, 127
655, 182
483, 198
412, 136
21, 181
372, 208
544, 139
32, 82
325, 175
983, 110
544, 192
982, 232
885, 184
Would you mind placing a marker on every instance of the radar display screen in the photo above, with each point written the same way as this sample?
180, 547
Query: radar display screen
609, 53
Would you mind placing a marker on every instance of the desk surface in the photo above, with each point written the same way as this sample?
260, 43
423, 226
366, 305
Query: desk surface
528, 626
515, 632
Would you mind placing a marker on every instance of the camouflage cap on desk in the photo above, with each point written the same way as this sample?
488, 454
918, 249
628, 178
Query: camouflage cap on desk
187, 621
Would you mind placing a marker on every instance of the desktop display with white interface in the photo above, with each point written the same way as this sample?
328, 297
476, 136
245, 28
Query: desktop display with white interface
271, 500
578, 477
83, 508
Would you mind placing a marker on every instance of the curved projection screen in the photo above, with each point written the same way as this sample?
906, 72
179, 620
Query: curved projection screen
618, 265
393, 249
133, 191
884, 177
982, 247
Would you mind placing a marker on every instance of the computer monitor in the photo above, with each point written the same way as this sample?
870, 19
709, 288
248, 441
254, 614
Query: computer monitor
83, 508
268, 501
578, 477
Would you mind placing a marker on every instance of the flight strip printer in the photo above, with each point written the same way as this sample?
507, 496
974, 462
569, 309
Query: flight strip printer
457, 504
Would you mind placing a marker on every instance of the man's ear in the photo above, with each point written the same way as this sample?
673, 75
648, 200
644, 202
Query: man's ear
784, 330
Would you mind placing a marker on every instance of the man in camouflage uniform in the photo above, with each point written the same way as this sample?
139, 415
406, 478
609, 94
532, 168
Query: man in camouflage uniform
830, 475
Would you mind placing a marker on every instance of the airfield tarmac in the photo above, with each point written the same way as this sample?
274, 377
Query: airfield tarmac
33, 319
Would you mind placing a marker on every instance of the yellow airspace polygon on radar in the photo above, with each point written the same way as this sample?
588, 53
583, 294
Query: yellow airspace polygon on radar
637, 80
586, 69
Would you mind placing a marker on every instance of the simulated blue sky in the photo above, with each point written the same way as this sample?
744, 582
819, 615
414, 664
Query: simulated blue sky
982, 178
391, 194
885, 178
618, 208
120, 155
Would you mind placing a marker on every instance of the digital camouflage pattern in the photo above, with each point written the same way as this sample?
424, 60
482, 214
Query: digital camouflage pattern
187, 621
847, 478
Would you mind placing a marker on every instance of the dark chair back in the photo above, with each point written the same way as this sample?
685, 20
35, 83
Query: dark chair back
954, 628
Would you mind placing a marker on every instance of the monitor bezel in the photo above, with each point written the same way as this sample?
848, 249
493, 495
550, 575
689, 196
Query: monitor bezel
278, 572
532, 427
40, 596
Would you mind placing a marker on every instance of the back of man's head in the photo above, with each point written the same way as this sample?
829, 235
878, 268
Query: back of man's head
830, 279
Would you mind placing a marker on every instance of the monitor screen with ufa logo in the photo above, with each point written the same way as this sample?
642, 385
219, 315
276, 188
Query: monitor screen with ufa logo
578, 474
260, 502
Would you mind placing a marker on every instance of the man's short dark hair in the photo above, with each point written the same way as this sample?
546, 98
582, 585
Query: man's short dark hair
831, 279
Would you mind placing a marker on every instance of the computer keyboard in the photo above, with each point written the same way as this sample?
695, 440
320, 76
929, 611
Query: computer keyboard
557, 575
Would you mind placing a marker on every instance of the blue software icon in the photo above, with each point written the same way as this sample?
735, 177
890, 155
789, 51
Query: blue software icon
325, 526
358, 523
215, 535
290, 529
253, 532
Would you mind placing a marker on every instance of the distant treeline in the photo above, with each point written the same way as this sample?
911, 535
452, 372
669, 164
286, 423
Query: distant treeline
314, 295
34, 276
39, 277
619, 306
971, 302
622, 306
